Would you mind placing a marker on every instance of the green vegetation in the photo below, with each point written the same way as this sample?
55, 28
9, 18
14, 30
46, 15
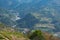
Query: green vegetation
37, 35
8, 33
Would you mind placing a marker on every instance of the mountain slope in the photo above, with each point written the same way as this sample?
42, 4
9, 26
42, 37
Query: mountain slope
36, 14
8, 17
8, 33
42, 21
27, 22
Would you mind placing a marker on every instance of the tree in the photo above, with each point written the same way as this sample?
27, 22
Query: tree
37, 35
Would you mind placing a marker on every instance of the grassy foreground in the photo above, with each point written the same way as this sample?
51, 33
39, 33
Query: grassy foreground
8, 33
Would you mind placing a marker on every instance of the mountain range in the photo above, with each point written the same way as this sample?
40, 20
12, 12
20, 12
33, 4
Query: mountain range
31, 14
